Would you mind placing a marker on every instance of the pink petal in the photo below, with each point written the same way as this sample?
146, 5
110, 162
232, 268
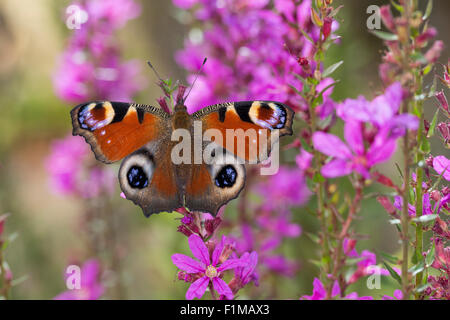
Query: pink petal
199, 249
336, 168
197, 288
187, 264
222, 288
353, 136
218, 251
89, 273
336, 290
441, 163
381, 150
331, 145
231, 264
319, 292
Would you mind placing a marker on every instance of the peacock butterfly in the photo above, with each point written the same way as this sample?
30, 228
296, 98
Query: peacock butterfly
144, 136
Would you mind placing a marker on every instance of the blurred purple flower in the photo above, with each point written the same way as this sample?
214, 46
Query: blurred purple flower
304, 159
65, 163
398, 295
252, 51
287, 188
246, 273
90, 68
319, 292
208, 268
68, 174
91, 288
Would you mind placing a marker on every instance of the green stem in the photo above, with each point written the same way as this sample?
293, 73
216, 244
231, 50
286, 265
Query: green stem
419, 191
320, 191
405, 221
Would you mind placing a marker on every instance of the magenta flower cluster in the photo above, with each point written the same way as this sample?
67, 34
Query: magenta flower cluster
90, 67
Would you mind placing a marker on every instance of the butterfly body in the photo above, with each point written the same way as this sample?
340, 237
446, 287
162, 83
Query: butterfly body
148, 138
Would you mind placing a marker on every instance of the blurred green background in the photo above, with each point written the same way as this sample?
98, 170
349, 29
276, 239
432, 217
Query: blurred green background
32, 36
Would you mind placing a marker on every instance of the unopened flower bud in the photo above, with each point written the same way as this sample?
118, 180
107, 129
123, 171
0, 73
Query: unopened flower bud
226, 252
428, 34
326, 29
180, 95
387, 18
435, 195
443, 103
162, 102
434, 52
184, 230
429, 161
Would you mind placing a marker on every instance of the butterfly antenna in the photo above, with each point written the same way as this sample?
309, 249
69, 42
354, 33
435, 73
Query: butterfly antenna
196, 76
154, 70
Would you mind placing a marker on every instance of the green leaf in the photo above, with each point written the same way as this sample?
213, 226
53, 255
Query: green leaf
328, 87
307, 36
425, 147
386, 36
433, 124
19, 280
393, 273
427, 69
389, 258
430, 256
314, 238
419, 57
318, 177
295, 89
398, 7
428, 10
399, 170
395, 221
439, 179
417, 268
426, 218
328, 71
305, 145
421, 288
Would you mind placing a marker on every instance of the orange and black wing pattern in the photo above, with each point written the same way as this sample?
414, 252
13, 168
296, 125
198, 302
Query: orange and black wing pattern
248, 129
116, 129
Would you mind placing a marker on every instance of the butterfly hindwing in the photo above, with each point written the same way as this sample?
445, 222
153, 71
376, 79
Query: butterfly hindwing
116, 129
148, 178
215, 183
260, 123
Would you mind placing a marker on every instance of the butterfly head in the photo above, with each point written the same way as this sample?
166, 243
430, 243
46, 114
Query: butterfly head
180, 107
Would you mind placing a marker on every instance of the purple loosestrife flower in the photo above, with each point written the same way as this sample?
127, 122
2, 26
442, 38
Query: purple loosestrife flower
304, 159
246, 274
264, 241
65, 163
319, 292
427, 206
357, 158
382, 112
252, 49
91, 288
66, 166
90, 68
209, 269
367, 263
287, 188
398, 295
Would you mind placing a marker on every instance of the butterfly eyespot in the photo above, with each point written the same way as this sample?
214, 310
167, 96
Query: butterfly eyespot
137, 178
226, 178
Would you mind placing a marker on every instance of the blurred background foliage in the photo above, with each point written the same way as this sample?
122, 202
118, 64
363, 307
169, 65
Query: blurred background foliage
32, 37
